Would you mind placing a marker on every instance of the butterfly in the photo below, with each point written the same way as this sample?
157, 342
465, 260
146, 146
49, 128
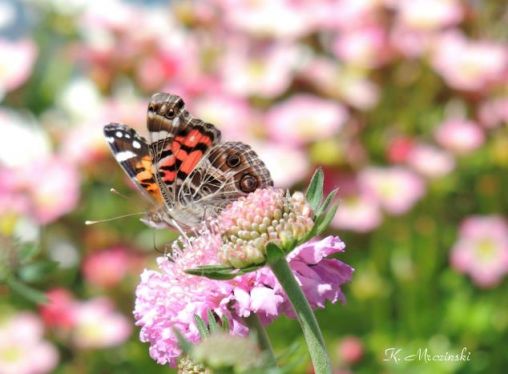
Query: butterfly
184, 171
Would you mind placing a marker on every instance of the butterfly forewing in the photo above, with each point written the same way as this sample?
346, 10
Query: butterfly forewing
134, 156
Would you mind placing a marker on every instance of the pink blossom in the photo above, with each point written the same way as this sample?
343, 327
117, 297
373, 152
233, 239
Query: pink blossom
107, 268
428, 14
44, 190
305, 118
470, 65
344, 14
22, 348
53, 185
399, 149
494, 112
350, 349
459, 135
232, 115
397, 189
59, 310
288, 158
16, 62
363, 47
350, 85
358, 212
267, 72
262, 18
98, 325
430, 161
482, 249
169, 298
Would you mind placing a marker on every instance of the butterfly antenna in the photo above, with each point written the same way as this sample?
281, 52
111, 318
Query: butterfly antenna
89, 222
115, 191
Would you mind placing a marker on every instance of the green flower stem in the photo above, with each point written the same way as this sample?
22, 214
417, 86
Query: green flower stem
263, 339
310, 327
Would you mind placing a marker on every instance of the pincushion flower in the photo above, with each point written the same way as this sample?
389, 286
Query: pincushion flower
482, 249
358, 212
170, 297
249, 223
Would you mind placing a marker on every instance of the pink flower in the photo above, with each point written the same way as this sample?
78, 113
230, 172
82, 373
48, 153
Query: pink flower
232, 115
363, 47
288, 158
305, 118
399, 149
430, 161
16, 62
428, 14
460, 136
494, 112
169, 298
397, 189
98, 325
59, 310
470, 65
107, 268
262, 18
482, 249
22, 348
350, 349
54, 189
359, 213
350, 85
267, 72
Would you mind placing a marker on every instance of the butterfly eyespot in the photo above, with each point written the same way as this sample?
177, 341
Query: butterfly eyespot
170, 114
233, 160
248, 183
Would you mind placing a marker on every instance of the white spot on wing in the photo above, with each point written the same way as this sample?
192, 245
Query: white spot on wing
110, 139
136, 144
176, 122
124, 156
119, 134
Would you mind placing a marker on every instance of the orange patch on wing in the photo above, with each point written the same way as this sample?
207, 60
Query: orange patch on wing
181, 155
191, 161
169, 176
168, 161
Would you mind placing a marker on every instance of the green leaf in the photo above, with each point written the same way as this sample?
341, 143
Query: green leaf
28, 251
183, 343
27, 292
273, 253
325, 219
201, 326
212, 323
314, 192
37, 271
329, 199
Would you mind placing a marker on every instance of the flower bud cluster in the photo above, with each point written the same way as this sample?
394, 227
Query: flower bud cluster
267, 215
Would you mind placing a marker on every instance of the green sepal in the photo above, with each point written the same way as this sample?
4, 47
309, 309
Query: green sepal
201, 326
183, 343
314, 193
221, 272
273, 253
